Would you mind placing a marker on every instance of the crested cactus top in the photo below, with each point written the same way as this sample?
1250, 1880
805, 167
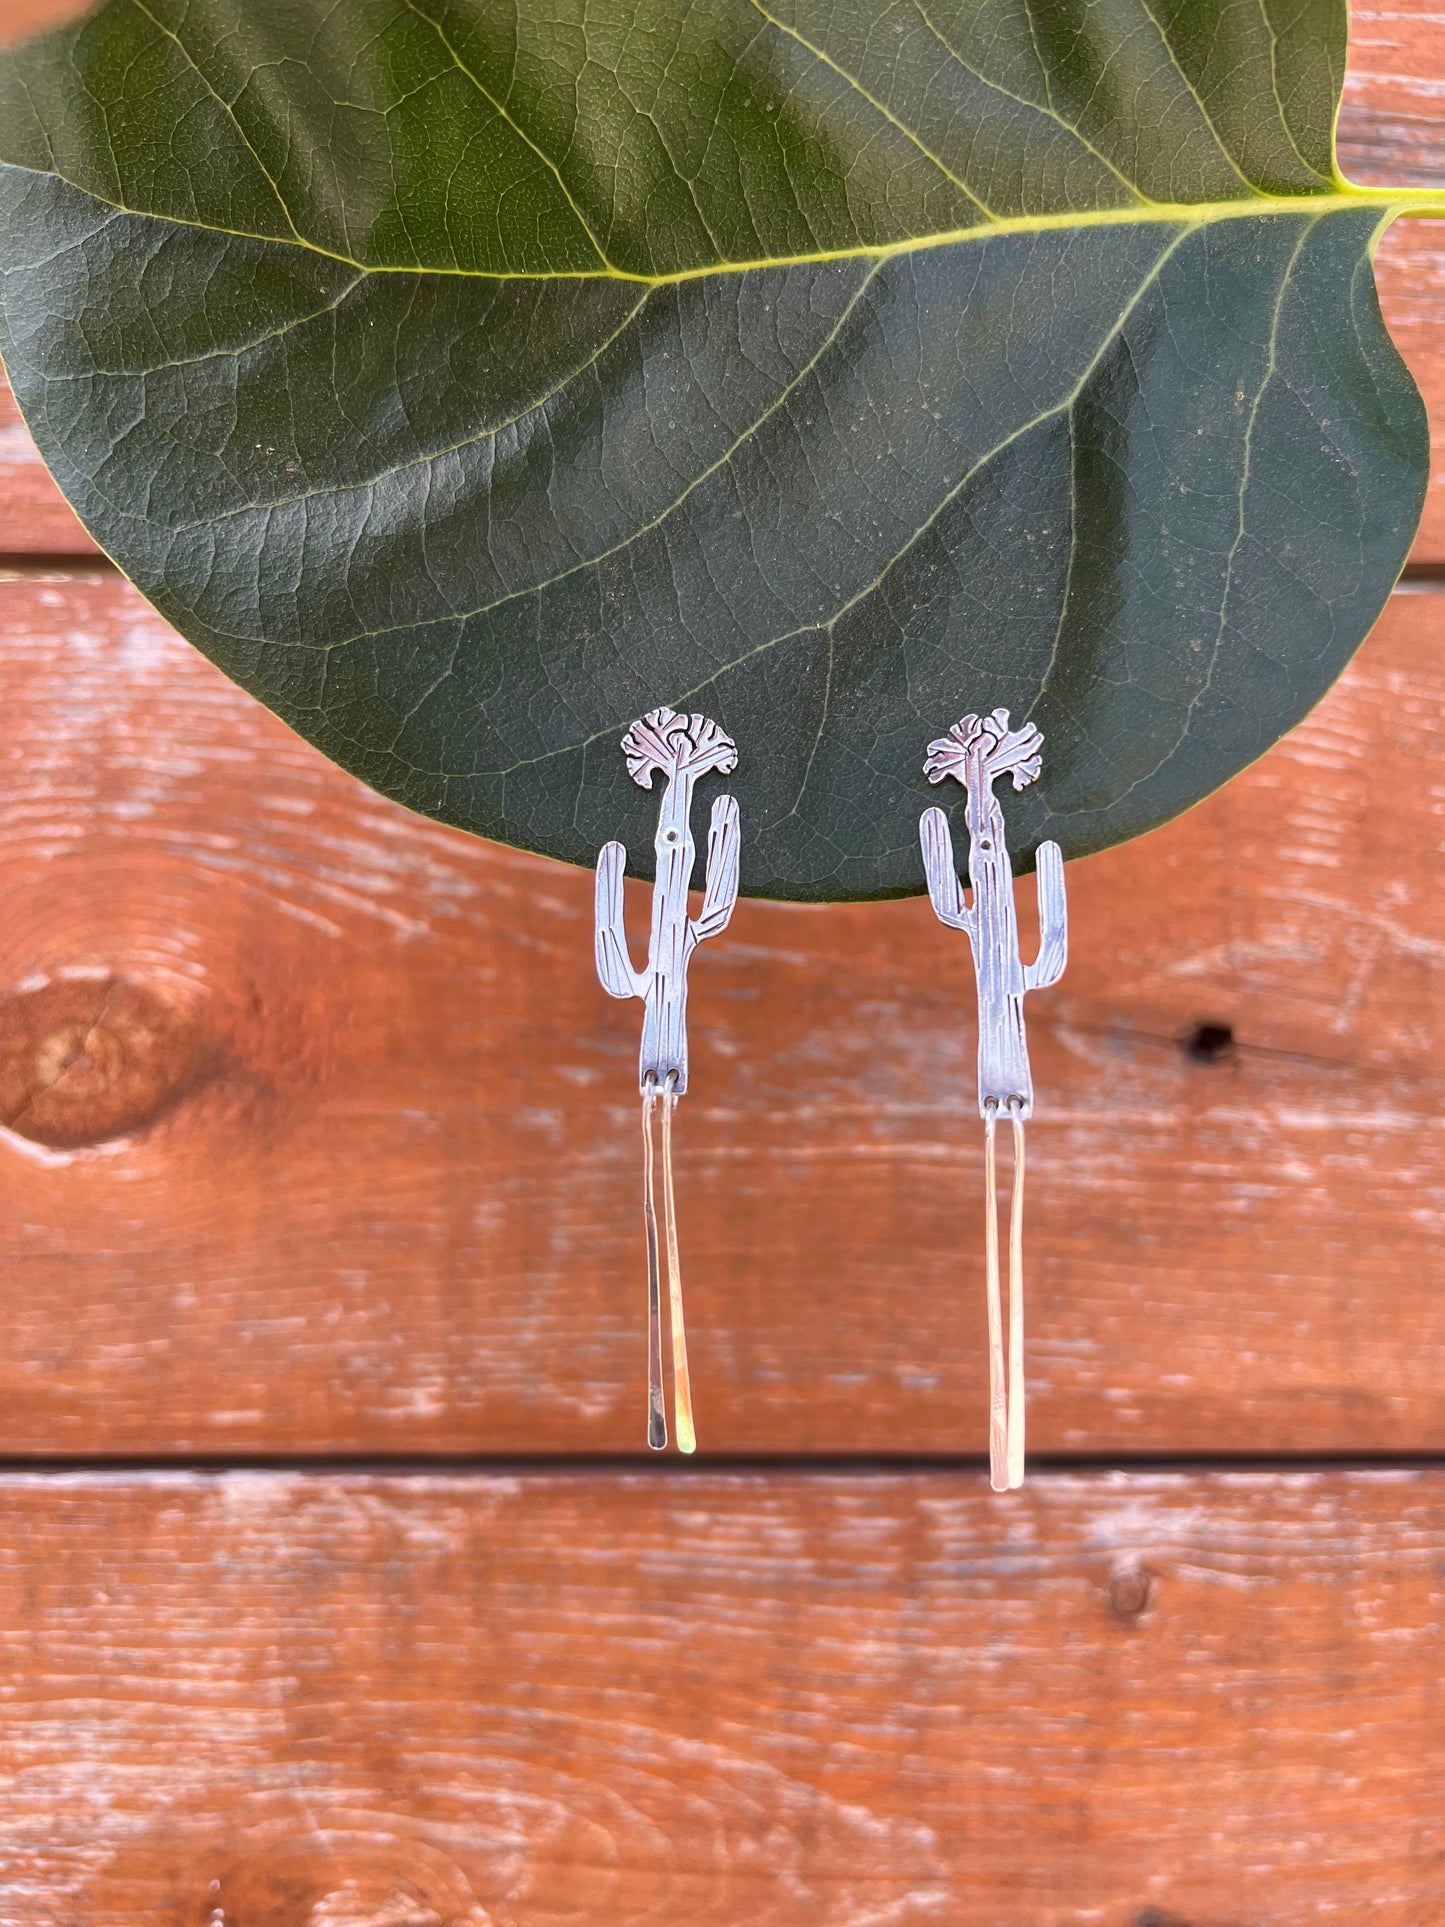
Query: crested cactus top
665, 740
1004, 751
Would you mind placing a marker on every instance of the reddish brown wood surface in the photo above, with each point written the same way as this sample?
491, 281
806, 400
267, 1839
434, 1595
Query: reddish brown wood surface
767, 1701
20, 18
315, 1136
321, 1135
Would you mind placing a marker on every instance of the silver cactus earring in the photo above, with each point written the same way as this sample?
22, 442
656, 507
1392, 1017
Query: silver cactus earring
977, 751
683, 748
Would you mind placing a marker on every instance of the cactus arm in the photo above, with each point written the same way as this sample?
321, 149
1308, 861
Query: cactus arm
1048, 967
945, 892
614, 966
721, 892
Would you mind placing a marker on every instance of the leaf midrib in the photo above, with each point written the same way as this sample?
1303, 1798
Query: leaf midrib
1427, 202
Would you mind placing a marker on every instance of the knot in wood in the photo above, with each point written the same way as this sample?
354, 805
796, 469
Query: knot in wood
85, 1059
1129, 1591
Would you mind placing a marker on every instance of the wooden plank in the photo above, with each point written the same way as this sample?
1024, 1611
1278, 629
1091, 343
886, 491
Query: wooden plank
1410, 275
1392, 128
321, 1135
1392, 120
755, 1701
21, 18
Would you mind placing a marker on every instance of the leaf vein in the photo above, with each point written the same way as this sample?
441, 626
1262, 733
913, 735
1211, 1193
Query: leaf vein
1194, 92
1245, 471
1279, 98
1049, 112
989, 456
224, 354
521, 133
645, 528
877, 106
226, 108
1425, 202
429, 456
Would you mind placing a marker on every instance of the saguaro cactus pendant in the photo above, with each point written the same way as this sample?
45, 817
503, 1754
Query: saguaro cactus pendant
977, 751
683, 748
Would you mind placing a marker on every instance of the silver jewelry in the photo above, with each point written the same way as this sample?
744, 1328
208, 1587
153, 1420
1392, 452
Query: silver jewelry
977, 751
683, 748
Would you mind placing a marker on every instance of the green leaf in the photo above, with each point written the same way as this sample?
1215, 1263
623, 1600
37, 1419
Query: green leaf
469, 376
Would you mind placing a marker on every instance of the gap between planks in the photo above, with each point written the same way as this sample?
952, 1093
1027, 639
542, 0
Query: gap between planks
462, 1467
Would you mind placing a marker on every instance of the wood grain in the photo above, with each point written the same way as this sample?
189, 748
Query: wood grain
742, 1701
319, 1134
315, 1136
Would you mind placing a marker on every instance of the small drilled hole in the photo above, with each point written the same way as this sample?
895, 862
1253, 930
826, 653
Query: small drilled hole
1129, 1594
1209, 1043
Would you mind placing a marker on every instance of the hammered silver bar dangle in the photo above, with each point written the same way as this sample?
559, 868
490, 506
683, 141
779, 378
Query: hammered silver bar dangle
977, 751
683, 748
